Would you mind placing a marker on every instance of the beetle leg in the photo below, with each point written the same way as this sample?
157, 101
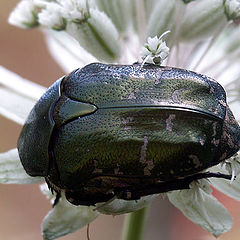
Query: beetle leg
161, 187
58, 196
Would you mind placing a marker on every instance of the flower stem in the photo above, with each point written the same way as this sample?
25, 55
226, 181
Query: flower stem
134, 224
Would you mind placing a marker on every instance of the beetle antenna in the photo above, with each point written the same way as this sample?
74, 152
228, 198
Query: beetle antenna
88, 232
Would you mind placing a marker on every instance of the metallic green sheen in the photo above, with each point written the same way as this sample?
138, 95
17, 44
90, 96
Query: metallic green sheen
127, 131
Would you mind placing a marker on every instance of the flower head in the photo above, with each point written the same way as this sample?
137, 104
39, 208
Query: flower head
155, 50
52, 16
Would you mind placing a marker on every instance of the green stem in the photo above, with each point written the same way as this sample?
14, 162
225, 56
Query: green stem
134, 224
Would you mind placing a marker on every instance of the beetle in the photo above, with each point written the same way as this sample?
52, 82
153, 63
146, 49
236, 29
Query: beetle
127, 131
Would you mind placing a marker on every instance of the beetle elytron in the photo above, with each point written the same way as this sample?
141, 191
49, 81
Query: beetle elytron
127, 131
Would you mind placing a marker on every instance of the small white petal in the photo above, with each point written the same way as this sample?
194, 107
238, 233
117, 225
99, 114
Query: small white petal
232, 9
119, 206
76, 10
153, 43
52, 16
14, 106
24, 15
202, 208
17, 95
40, 3
11, 170
66, 218
20, 85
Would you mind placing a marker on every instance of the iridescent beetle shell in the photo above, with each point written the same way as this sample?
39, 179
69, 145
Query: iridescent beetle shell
127, 131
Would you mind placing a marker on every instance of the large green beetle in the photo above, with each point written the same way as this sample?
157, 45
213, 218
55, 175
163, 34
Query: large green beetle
127, 131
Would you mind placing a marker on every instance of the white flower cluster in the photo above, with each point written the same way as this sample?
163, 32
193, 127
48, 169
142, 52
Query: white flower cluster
52, 14
78, 18
155, 50
232, 9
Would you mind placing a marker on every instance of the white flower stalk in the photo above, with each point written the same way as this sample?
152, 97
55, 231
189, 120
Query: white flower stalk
155, 50
52, 16
202, 208
232, 9
24, 15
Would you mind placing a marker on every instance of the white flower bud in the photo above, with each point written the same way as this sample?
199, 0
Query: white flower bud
232, 9
24, 15
75, 10
52, 17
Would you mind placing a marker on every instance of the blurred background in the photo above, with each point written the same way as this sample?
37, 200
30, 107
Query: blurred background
22, 207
